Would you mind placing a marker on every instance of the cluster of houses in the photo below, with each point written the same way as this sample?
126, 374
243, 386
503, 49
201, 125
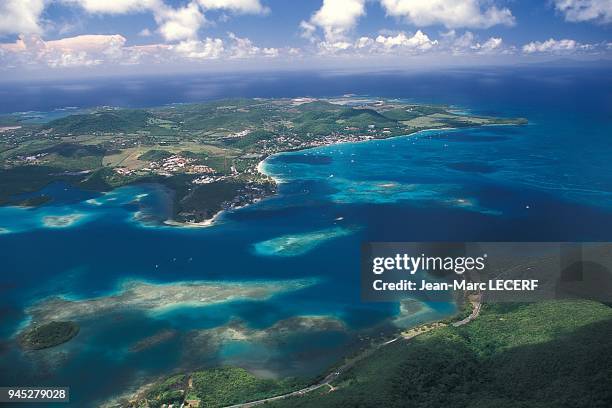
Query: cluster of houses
178, 164
207, 179
240, 134
169, 166
282, 142
21, 160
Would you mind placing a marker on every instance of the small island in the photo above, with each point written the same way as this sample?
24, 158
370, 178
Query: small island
48, 335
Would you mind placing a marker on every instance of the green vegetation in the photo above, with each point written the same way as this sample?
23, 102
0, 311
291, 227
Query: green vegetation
75, 150
154, 155
168, 391
24, 179
328, 121
252, 138
35, 201
204, 201
215, 387
74, 156
103, 121
48, 335
545, 355
232, 385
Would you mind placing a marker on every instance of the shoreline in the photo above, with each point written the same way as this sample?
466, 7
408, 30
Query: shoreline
202, 224
330, 374
214, 220
260, 169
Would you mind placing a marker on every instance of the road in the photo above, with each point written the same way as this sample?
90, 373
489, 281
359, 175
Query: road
326, 382
476, 306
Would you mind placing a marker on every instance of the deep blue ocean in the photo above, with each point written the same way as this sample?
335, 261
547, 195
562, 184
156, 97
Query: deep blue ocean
550, 180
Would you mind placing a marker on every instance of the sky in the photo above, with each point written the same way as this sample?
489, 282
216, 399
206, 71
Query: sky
56, 38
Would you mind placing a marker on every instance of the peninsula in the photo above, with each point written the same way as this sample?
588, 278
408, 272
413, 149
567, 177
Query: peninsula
206, 154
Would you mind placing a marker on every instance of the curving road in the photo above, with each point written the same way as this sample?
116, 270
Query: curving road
326, 382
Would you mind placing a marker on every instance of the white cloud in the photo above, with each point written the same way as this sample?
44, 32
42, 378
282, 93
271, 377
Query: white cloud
553, 46
450, 13
153, 53
270, 52
396, 43
180, 24
336, 18
116, 6
210, 48
145, 32
364, 42
244, 48
72, 59
88, 43
492, 44
82, 50
92, 50
333, 47
585, 10
418, 41
308, 30
467, 43
129, 6
459, 44
21, 16
294, 52
238, 6
174, 24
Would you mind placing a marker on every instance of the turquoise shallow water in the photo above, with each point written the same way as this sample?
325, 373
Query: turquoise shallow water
548, 181
86, 245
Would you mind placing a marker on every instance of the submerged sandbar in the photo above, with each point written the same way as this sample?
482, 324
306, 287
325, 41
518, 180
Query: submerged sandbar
61, 221
138, 295
299, 244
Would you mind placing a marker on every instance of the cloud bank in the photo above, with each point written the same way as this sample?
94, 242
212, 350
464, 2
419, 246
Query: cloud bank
449, 13
599, 11
440, 29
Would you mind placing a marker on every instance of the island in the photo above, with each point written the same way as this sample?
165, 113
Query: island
48, 335
205, 154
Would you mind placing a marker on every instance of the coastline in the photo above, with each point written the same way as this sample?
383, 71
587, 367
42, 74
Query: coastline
196, 206
332, 373
260, 169
202, 224
214, 220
